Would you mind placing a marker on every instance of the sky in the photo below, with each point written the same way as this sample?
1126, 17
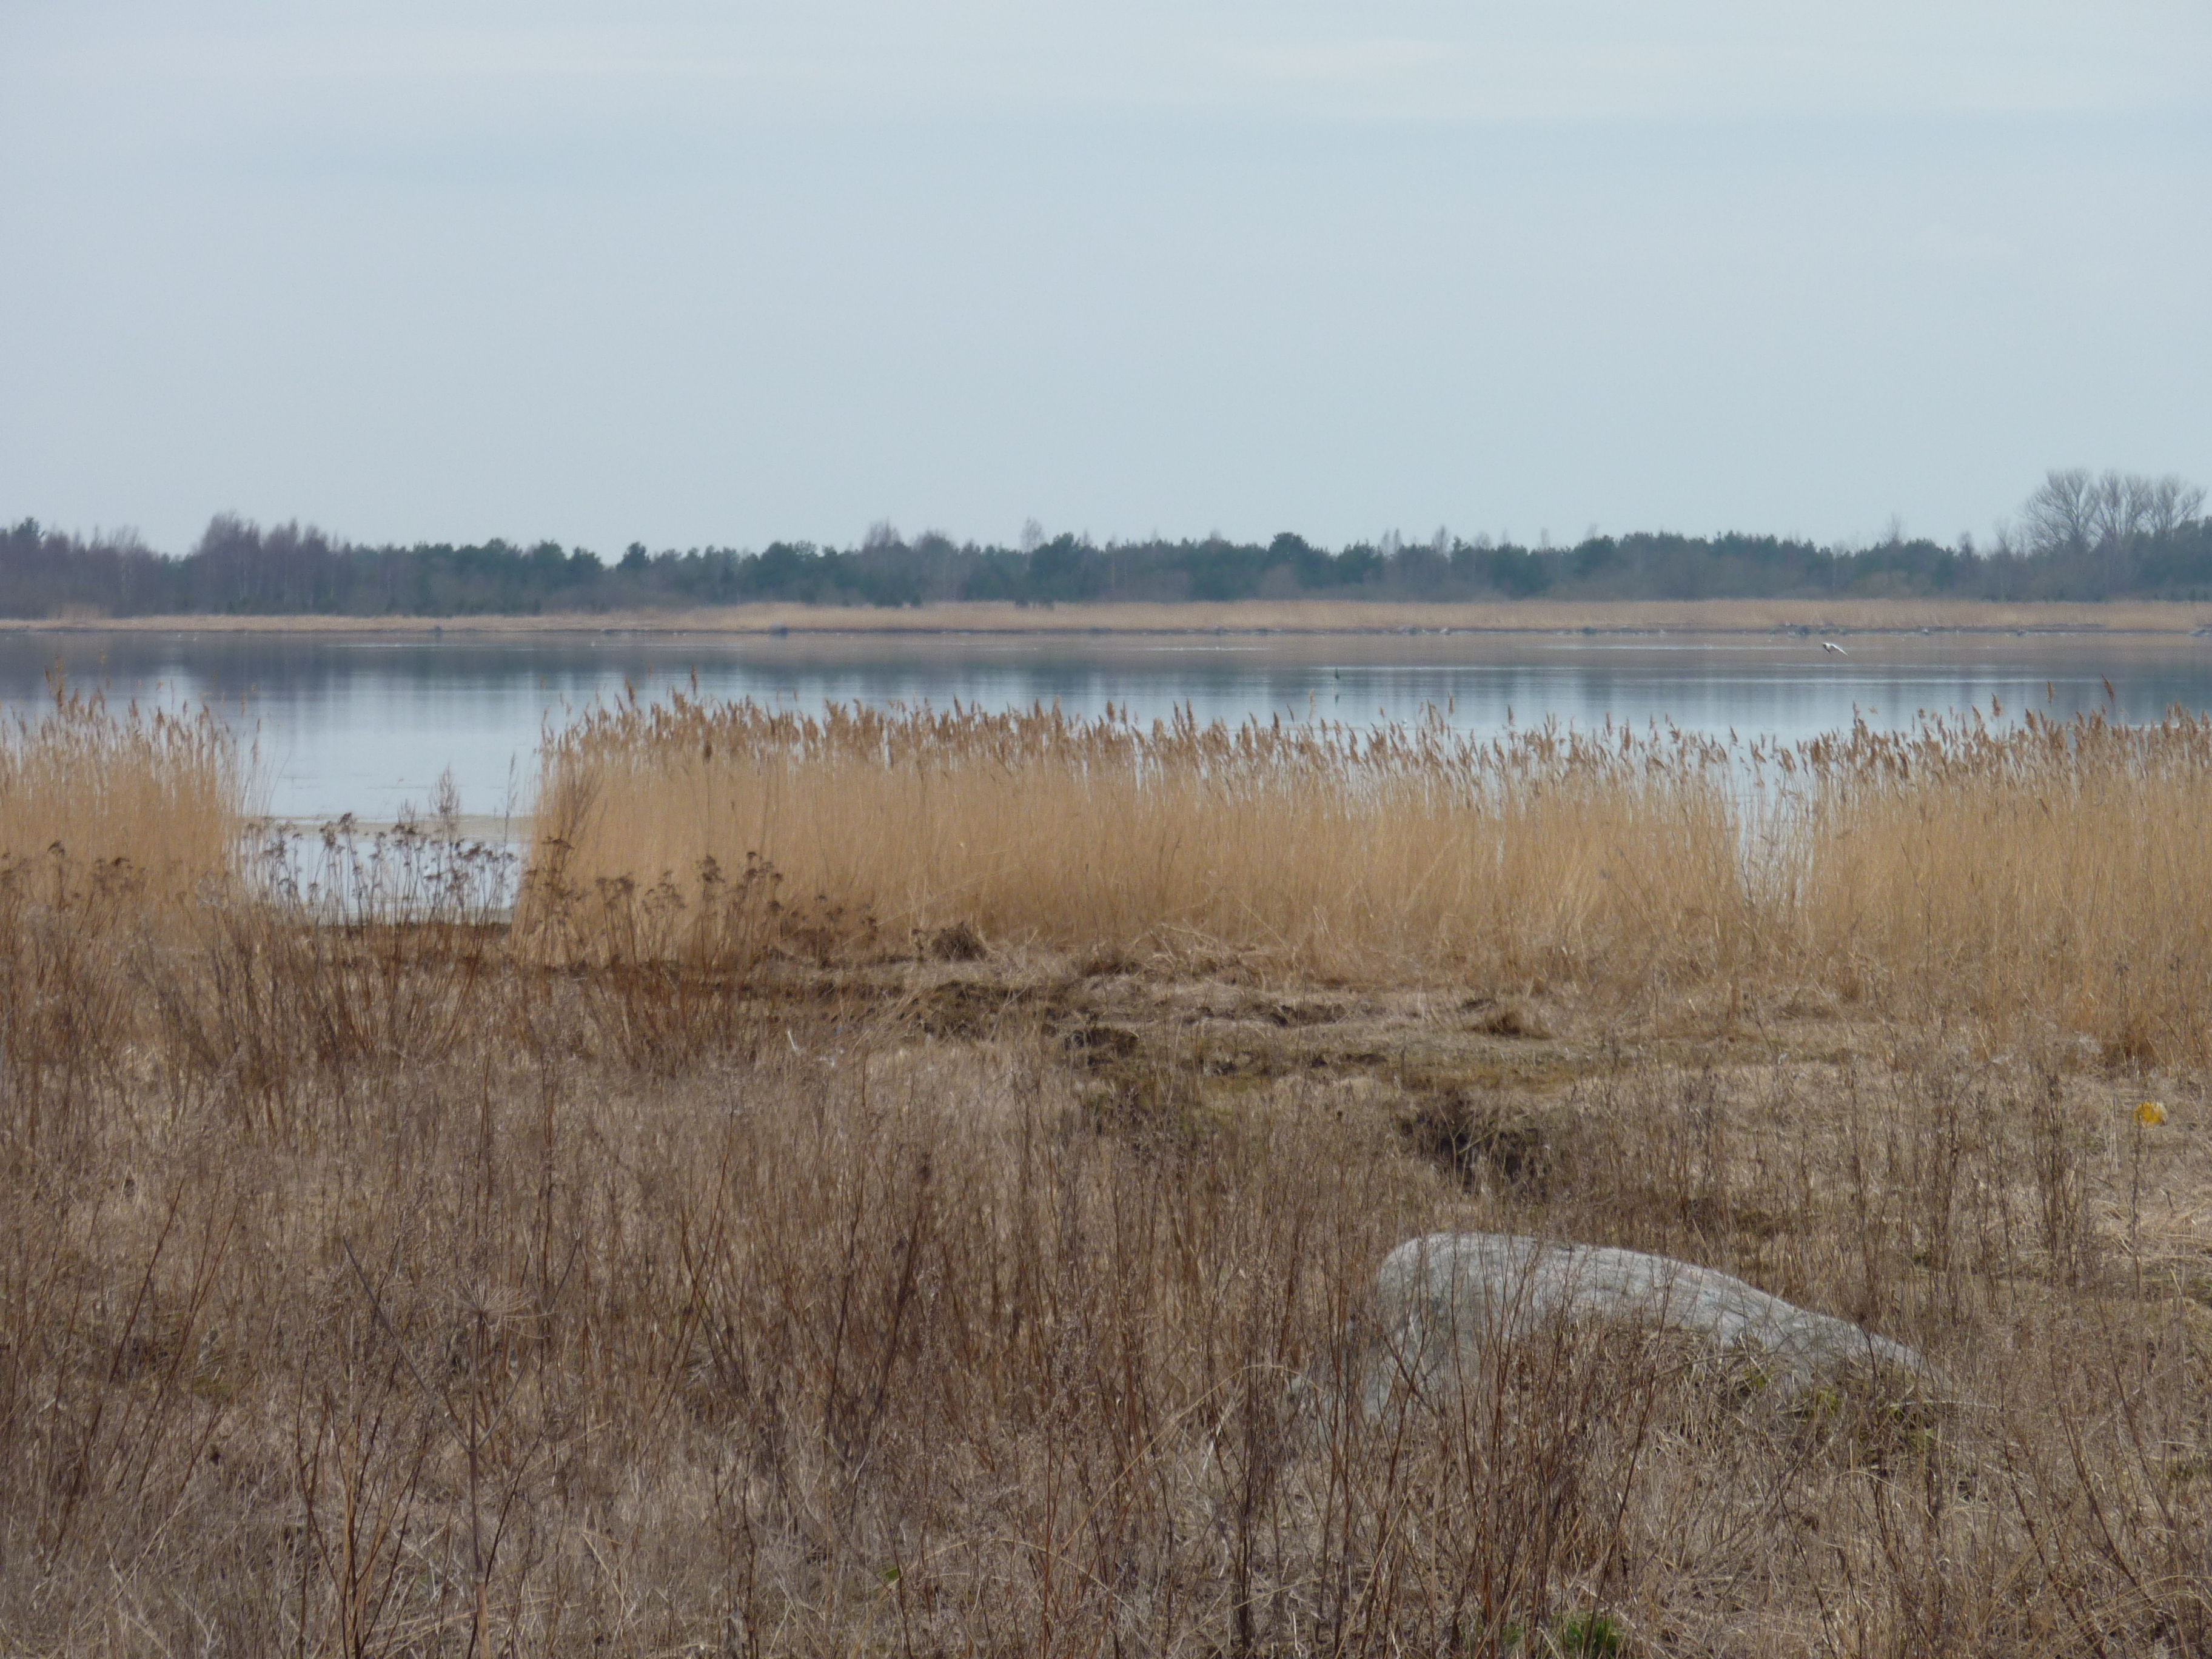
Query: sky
695, 273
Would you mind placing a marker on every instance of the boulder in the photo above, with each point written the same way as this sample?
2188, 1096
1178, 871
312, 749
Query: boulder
1444, 1301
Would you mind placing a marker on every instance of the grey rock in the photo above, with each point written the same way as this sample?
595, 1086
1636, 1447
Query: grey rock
1446, 1301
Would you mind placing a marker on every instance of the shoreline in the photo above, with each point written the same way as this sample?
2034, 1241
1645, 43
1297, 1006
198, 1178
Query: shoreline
1246, 616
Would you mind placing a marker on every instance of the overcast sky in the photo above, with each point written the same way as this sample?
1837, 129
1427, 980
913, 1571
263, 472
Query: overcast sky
691, 273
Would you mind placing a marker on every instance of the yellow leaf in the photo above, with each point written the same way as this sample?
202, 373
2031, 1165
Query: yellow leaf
2150, 1112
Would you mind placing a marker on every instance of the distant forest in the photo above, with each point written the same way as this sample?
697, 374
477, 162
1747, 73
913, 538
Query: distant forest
2080, 537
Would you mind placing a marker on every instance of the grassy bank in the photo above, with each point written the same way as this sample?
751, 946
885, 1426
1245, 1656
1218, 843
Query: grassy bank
1243, 615
376, 1279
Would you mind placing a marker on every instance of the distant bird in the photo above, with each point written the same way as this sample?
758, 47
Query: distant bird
1830, 645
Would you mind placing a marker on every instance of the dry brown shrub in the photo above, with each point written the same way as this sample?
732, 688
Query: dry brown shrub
867, 1344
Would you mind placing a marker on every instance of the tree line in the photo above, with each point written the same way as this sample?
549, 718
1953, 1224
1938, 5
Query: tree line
2080, 537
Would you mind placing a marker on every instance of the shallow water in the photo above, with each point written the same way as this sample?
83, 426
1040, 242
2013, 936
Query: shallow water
367, 724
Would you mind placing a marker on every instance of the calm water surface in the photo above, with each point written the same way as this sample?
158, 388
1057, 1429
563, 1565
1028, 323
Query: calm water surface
367, 724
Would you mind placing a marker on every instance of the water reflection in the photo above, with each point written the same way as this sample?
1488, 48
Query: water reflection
366, 725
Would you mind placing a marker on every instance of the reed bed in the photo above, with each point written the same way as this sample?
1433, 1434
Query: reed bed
2047, 872
1323, 847
2036, 872
163, 797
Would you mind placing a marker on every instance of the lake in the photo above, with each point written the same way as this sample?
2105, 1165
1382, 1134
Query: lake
366, 724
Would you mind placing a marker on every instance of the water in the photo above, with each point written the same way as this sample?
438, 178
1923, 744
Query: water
366, 725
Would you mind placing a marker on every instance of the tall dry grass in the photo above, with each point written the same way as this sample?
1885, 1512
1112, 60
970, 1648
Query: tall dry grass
2030, 873
477, 1338
166, 794
1325, 847
2048, 869
1319, 615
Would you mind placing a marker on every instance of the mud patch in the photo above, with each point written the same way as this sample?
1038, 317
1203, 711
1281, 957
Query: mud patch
965, 1009
1487, 1139
958, 942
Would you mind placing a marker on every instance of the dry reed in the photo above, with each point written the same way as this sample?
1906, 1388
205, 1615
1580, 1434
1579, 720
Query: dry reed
2037, 872
1329, 616
2046, 872
1321, 846
167, 795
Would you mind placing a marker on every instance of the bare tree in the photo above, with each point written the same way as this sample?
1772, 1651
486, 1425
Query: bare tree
2059, 516
2075, 511
2175, 504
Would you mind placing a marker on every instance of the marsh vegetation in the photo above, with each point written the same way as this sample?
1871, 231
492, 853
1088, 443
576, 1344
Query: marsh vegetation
900, 1182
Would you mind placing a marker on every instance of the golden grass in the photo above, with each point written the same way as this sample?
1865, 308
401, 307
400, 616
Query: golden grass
166, 794
1331, 615
2051, 872
1323, 847
2040, 871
